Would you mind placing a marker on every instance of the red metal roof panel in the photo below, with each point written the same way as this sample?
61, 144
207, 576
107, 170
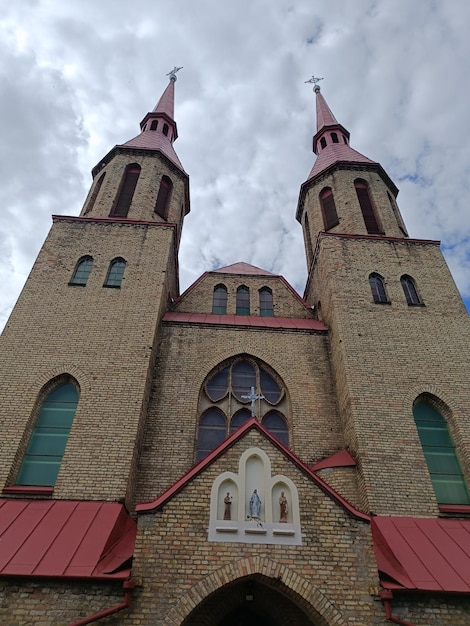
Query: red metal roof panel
292, 323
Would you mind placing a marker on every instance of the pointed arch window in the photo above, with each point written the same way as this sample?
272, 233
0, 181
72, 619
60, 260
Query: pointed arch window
46, 448
94, 194
266, 302
165, 129
323, 142
328, 207
125, 194
115, 273
154, 125
409, 289
308, 241
163, 199
377, 286
439, 451
219, 300
334, 137
82, 271
212, 431
276, 425
243, 301
368, 211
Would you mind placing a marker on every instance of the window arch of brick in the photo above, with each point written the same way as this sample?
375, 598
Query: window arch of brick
82, 271
377, 286
439, 451
115, 273
46, 447
410, 291
126, 190
224, 407
266, 302
243, 300
328, 208
163, 198
219, 300
368, 211
94, 193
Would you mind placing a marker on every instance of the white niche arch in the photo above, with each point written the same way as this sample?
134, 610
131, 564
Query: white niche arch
230, 516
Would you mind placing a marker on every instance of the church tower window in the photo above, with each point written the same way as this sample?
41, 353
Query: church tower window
219, 300
165, 129
368, 211
46, 447
125, 194
266, 302
377, 286
439, 451
323, 142
163, 199
115, 273
154, 125
410, 291
243, 301
82, 271
328, 207
94, 194
334, 137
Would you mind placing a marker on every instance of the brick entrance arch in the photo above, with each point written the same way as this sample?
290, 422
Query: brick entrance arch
255, 573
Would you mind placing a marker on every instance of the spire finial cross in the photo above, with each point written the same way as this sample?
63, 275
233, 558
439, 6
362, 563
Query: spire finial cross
253, 396
172, 74
315, 81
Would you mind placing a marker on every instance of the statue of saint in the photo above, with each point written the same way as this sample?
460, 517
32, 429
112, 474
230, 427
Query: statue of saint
283, 508
255, 504
228, 506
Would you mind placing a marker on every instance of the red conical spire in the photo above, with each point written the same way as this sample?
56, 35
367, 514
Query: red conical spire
324, 115
166, 104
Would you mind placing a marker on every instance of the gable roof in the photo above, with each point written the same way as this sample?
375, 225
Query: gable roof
243, 268
146, 507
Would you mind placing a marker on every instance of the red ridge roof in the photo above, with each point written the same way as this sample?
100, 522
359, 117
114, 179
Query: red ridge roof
288, 323
336, 153
150, 140
243, 268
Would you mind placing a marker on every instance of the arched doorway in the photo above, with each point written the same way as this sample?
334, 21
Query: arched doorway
254, 601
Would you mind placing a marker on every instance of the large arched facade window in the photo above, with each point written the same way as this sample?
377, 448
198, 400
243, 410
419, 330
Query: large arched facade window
162, 205
46, 447
377, 286
243, 301
125, 194
368, 212
224, 403
328, 208
439, 451
219, 300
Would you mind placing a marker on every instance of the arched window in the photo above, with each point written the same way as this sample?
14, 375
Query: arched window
328, 207
125, 194
165, 129
377, 287
163, 199
43, 457
397, 214
266, 302
334, 136
115, 273
94, 194
368, 212
82, 271
243, 301
439, 451
323, 142
154, 125
227, 390
219, 300
409, 289
308, 241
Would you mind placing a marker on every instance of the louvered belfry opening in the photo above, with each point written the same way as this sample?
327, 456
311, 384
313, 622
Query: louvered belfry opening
368, 213
126, 191
328, 206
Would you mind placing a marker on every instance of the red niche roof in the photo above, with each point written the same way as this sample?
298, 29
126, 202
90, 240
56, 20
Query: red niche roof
422, 554
289, 323
64, 538
243, 268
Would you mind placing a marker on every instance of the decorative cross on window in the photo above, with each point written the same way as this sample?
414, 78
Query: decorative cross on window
252, 396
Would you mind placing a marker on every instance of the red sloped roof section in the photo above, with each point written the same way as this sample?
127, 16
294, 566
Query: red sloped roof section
65, 538
295, 323
423, 554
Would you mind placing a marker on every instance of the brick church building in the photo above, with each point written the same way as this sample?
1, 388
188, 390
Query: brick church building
237, 454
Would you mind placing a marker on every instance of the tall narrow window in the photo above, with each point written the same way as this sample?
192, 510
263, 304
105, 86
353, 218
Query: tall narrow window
115, 273
334, 136
125, 194
243, 301
219, 300
212, 431
46, 447
94, 194
154, 125
377, 287
328, 207
323, 142
439, 451
266, 302
409, 289
165, 129
276, 425
368, 212
163, 199
82, 271
308, 241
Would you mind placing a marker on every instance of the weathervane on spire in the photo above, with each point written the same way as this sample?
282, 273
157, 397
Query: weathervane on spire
172, 74
315, 81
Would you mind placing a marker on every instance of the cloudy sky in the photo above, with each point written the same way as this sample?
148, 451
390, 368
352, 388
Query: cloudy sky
76, 78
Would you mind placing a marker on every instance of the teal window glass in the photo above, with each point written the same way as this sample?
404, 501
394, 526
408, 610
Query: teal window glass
243, 301
115, 273
46, 447
82, 271
441, 458
266, 302
219, 300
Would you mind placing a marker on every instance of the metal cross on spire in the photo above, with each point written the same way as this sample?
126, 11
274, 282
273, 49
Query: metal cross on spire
172, 74
315, 81
253, 396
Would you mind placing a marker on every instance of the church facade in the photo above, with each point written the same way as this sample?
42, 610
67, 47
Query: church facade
238, 453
